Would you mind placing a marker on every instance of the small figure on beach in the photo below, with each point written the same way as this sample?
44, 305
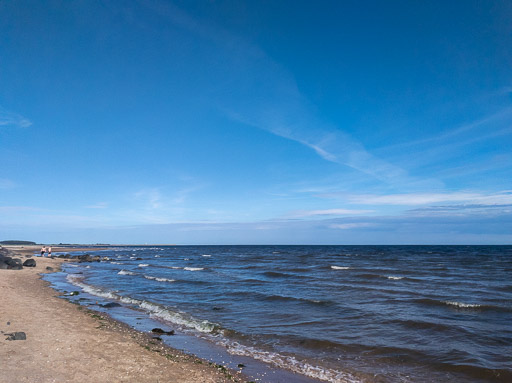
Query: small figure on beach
50, 251
43, 250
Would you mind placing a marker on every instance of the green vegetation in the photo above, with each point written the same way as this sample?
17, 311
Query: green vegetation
17, 243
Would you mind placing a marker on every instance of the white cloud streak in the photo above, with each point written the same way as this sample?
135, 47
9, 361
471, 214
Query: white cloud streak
277, 105
326, 212
8, 118
348, 226
6, 184
99, 205
416, 199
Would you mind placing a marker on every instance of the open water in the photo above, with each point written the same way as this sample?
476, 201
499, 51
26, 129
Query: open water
332, 313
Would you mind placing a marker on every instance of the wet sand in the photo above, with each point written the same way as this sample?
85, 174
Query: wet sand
70, 343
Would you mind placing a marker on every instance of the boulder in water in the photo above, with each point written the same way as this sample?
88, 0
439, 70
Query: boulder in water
158, 330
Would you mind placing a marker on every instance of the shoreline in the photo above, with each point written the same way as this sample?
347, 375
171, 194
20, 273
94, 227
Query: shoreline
67, 342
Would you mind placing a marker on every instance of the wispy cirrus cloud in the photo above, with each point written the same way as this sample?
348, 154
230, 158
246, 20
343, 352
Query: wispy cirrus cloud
459, 135
6, 183
99, 205
349, 226
415, 199
325, 212
277, 106
462, 210
8, 118
150, 197
446, 148
17, 209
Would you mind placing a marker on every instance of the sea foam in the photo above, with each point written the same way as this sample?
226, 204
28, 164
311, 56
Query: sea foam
289, 363
158, 279
462, 305
153, 309
126, 272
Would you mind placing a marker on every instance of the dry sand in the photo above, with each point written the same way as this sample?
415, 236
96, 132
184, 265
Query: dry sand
70, 343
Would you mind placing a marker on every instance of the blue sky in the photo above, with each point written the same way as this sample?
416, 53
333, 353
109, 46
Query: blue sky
256, 122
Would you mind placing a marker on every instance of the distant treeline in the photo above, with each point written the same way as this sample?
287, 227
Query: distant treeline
12, 242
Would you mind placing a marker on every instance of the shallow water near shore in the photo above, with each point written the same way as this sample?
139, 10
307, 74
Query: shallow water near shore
333, 313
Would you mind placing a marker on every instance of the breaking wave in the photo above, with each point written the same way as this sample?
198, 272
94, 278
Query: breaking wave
159, 279
153, 309
126, 272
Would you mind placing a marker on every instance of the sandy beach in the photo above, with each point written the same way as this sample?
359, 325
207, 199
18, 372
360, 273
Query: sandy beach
70, 343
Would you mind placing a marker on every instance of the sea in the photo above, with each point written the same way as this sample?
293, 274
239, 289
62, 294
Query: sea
315, 313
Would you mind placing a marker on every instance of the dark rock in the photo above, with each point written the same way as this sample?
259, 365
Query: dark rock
49, 268
29, 263
110, 305
138, 259
217, 308
13, 263
157, 338
95, 259
16, 336
73, 293
241, 365
84, 258
158, 330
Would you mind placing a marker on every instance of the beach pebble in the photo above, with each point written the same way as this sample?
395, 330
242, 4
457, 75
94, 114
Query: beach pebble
17, 336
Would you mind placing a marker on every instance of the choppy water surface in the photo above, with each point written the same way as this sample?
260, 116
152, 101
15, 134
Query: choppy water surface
336, 313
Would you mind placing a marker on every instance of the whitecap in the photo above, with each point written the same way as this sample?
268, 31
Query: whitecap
126, 272
158, 279
193, 268
340, 267
206, 255
462, 305
143, 265
73, 279
395, 278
